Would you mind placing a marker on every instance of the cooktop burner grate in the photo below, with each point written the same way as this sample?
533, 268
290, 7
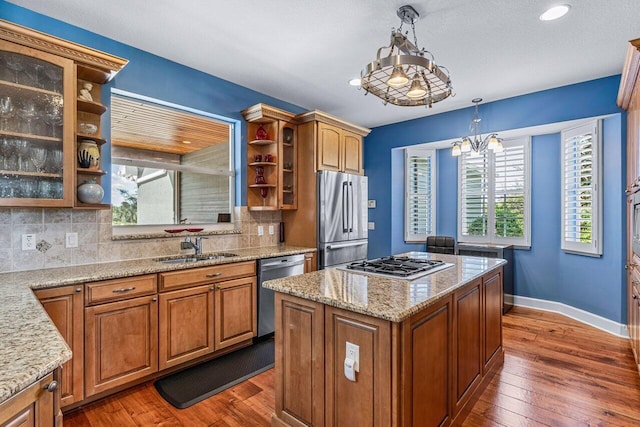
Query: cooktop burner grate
397, 266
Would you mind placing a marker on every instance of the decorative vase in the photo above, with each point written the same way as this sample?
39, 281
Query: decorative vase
261, 133
90, 192
92, 150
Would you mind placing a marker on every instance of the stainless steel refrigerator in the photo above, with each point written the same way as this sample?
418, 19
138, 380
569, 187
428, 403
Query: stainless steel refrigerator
342, 218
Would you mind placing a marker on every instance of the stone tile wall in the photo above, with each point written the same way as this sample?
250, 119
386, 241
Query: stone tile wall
94, 238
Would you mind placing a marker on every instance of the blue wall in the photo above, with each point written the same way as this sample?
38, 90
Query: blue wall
156, 77
592, 284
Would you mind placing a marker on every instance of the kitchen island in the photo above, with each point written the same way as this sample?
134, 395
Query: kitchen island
426, 347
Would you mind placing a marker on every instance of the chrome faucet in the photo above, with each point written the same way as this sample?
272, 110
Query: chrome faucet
188, 244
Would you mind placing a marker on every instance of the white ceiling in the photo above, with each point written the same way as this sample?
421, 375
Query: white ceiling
305, 51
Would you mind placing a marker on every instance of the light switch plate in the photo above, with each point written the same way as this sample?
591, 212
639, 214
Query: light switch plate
71, 240
260, 230
371, 204
28, 242
371, 225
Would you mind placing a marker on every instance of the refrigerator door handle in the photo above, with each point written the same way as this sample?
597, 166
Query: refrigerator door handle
345, 212
345, 245
351, 207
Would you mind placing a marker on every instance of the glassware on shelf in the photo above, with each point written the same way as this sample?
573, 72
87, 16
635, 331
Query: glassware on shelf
39, 158
7, 149
53, 115
55, 77
7, 110
45, 189
30, 188
14, 62
22, 151
260, 175
28, 112
55, 161
264, 192
7, 187
33, 72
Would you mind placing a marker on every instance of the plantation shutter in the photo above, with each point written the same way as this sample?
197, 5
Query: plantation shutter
581, 210
474, 188
420, 194
509, 195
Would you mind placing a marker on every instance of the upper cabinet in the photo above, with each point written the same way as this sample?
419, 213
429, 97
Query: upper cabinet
272, 159
338, 143
629, 99
49, 112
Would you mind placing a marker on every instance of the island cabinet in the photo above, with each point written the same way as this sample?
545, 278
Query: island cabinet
425, 370
121, 337
36, 406
65, 307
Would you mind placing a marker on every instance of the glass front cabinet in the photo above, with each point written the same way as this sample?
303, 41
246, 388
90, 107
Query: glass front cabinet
39, 115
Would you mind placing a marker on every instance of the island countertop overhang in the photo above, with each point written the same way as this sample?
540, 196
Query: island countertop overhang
381, 297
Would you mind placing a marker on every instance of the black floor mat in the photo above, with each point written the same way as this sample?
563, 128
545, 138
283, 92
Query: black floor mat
192, 385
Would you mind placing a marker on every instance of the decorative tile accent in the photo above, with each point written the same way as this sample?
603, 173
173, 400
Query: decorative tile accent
43, 246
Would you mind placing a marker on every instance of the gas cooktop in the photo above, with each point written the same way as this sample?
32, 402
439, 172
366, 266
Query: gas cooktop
398, 266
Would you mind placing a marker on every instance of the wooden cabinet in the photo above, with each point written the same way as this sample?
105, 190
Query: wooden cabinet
338, 149
629, 99
120, 289
366, 401
467, 344
35, 406
205, 275
38, 125
64, 306
235, 311
121, 343
300, 363
492, 316
428, 342
186, 325
272, 158
423, 371
310, 263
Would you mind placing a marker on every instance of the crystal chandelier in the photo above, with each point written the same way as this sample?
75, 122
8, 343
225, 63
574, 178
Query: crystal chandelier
475, 144
404, 76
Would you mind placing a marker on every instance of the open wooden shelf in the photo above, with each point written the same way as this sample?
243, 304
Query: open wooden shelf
262, 208
91, 107
262, 142
97, 172
10, 88
30, 136
34, 174
80, 205
98, 140
263, 164
262, 185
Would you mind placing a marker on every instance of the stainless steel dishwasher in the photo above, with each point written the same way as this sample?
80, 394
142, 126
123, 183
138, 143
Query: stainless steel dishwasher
269, 269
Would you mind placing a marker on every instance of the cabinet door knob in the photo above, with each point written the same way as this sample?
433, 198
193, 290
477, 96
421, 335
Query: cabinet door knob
52, 386
631, 265
213, 288
635, 296
78, 290
214, 274
154, 299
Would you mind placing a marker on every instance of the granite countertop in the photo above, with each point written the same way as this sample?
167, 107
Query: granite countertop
30, 344
381, 297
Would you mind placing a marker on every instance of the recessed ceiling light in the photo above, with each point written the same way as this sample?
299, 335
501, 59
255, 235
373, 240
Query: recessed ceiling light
355, 82
555, 12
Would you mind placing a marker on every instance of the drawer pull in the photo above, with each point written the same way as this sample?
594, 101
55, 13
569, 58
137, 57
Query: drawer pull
214, 274
52, 386
635, 296
116, 291
631, 265
78, 290
635, 283
154, 299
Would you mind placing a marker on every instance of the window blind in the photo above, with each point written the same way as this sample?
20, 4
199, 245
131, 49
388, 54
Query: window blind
581, 211
420, 194
475, 194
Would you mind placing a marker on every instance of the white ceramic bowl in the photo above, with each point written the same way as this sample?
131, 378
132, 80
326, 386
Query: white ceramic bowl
87, 128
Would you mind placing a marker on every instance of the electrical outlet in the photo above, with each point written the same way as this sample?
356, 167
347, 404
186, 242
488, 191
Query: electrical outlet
28, 242
260, 230
71, 240
271, 230
371, 204
353, 353
371, 225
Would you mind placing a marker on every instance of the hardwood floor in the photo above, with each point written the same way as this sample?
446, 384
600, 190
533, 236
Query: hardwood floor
557, 372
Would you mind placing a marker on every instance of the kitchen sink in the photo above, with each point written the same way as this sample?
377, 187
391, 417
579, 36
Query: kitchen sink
194, 258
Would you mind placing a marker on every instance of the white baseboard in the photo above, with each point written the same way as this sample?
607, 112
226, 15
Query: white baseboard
604, 324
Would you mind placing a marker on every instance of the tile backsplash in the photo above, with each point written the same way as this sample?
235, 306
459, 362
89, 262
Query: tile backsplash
94, 238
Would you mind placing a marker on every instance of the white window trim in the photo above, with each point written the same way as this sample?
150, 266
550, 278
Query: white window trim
426, 152
519, 242
594, 248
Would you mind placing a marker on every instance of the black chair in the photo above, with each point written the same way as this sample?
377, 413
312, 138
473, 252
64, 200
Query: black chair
441, 244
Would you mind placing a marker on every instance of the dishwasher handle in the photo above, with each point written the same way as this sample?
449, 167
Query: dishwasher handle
280, 265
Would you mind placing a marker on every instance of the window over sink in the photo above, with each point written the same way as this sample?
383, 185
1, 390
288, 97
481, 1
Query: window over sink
170, 165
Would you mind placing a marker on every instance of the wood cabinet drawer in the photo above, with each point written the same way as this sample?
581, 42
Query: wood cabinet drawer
120, 289
197, 276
